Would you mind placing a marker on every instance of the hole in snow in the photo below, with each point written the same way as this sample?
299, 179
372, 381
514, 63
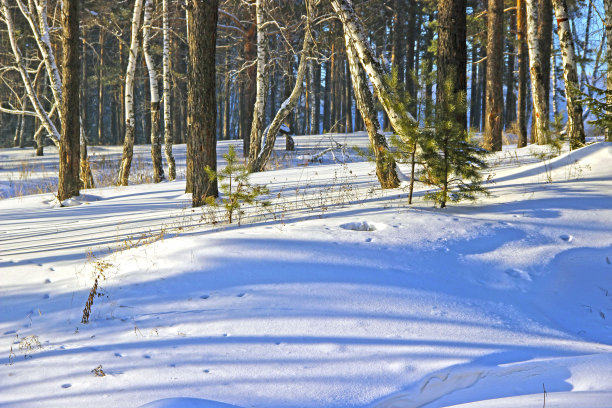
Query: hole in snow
359, 226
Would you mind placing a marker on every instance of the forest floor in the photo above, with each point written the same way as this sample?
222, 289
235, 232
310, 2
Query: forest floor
336, 294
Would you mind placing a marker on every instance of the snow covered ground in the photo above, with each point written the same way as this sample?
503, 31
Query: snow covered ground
338, 294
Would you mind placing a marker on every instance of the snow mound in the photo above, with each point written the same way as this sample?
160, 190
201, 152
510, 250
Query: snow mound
359, 226
186, 403
73, 201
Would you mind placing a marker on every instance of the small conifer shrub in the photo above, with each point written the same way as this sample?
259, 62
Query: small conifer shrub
235, 186
451, 161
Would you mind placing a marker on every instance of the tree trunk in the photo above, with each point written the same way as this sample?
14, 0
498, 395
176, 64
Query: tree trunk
261, 85
385, 165
128, 143
401, 120
286, 107
537, 75
69, 151
575, 126
168, 139
100, 88
510, 105
452, 50
495, 92
156, 156
523, 67
608, 8
52, 131
202, 16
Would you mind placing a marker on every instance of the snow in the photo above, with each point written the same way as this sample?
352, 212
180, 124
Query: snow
338, 294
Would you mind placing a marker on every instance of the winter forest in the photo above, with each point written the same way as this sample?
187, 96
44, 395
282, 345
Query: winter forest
313, 203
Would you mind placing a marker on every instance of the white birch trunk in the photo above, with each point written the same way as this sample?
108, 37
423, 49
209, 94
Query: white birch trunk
36, 16
400, 119
385, 164
53, 133
128, 143
554, 81
575, 126
156, 157
608, 8
260, 98
168, 139
285, 109
535, 70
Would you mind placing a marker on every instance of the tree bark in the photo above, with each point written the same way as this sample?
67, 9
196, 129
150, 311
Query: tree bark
202, 16
510, 105
608, 8
156, 156
69, 151
261, 85
537, 75
401, 120
286, 107
575, 126
495, 92
128, 143
168, 137
452, 50
523, 67
385, 165
100, 88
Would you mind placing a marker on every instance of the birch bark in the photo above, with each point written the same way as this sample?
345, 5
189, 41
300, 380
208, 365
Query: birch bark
537, 78
385, 164
523, 67
260, 98
286, 107
575, 126
52, 131
156, 156
608, 8
128, 143
168, 137
400, 119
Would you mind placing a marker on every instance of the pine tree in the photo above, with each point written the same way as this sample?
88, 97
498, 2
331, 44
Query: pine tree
451, 161
235, 186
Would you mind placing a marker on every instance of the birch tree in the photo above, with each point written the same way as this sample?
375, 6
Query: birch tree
523, 67
261, 84
168, 137
45, 119
399, 119
537, 77
286, 107
69, 151
575, 126
128, 143
385, 164
608, 8
156, 157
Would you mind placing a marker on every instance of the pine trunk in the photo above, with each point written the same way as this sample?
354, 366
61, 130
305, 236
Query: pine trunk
575, 126
202, 16
69, 151
495, 92
452, 50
